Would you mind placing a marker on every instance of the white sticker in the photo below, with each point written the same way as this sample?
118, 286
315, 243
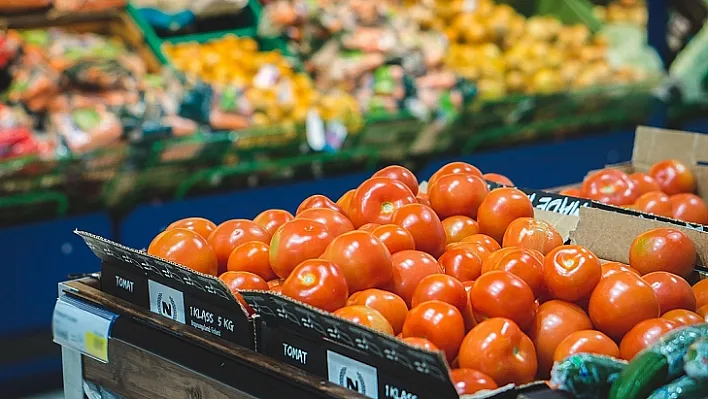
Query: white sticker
166, 301
352, 374
82, 327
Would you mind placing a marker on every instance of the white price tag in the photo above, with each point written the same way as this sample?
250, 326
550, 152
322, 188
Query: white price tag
353, 374
83, 327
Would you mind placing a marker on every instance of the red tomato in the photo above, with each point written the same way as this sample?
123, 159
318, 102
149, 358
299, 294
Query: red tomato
345, 201
295, 242
614, 267
454, 195
683, 317
201, 226
396, 172
440, 287
390, 305
469, 381
423, 198
438, 322
336, 223
571, 272
673, 177
421, 343
619, 302
365, 316
700, 290
425, 227
610, 186
572, 192
454, 168
498, 348
654, 202
394, 237
318, 283
586, 341
272, 219
502, 294
459, 227
689, 207
237, 281
186, 248
519, 262
642, 335
532, 233
672, 291
232, 233
490, 244
253, 257
643, 183
501, 207
409, 267
369, 227
317, 201
461, 263
663, 249
362, 258
497, 178
277, 282
377, 199
703, 312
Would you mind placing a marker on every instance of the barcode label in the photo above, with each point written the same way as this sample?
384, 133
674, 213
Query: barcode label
82, 327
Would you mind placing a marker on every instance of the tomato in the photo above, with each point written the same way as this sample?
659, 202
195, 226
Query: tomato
498, 348
369, 227
610, 186
689, 207
469, 381
459, 227
497, 178
396, 172
253, 257
531, 233
654, 202
502, 294
643, 183
317, 201
461, 263
454, 195
423, 198
295, 242
237, 281
421, 343
673, 177
519, 262
572, 192
619, 302
186, 248
362, 258
571, 272
672, 291
336, 223
201, 226
614, 267
272, 219
232, 233
376, 200
454, 168
501, 207
644, 334
390, 305
438, 322
345, 201
554, 321
318, 283
394, 237
586, 341
409, 267
663, 249
277, 282
440, 287
425, 227
700, 290
365, 316
683, 317
703, 312
490, 244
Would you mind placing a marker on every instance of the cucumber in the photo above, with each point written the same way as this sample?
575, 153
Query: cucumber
586, 375
682, 388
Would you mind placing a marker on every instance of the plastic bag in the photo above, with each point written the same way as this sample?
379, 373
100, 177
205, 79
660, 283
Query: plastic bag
86, 129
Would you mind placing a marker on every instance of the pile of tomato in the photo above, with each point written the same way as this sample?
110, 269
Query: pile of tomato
458, 269
667, 190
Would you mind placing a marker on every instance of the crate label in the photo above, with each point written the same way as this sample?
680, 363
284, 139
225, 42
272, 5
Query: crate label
166, 301
82, 327
352, 374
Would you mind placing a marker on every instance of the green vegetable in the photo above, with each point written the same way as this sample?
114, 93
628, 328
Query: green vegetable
682, 388
586, 375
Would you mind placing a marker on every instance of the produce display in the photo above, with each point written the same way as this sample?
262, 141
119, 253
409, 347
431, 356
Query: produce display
623, 11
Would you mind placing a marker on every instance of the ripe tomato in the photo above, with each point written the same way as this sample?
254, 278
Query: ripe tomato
619, 302
295, 242
700, 290
201, 226
369, 227
420, 343
409, 267
502, 294
673, 177
519, 262
423, 199
643, 183
459, 227
237, 281
571, 272
440, 287
345, 201
469, 381
501, 207
317, 201
390, 305
614, 267
318, 283
554, 321
425, 227
498, 348
497, 178
186, 248
610, 186
253, 257
454, 195
490, 244
586, 341
362, 258
365, 316
276, 282
642, 335
663, 249
654, 202
572, 192
703, 312
438, 322
683, 317
454, 168
672, 291
533, 234
394, 237
689, 207
376, 200
461, 263
336, 223
272, 219
232, 233
396, 172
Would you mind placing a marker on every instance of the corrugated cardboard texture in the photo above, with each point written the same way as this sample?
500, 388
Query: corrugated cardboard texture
563, 223
652, 145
